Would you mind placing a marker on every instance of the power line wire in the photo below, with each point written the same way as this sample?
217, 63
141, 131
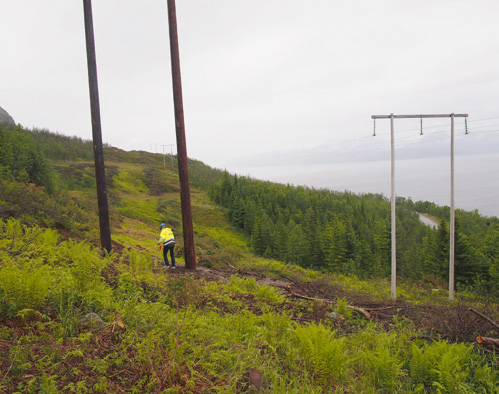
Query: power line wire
322, 151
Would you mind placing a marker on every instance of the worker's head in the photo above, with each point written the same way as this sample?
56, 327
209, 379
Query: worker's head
162, 225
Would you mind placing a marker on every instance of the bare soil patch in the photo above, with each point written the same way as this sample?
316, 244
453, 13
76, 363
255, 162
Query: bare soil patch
454, 322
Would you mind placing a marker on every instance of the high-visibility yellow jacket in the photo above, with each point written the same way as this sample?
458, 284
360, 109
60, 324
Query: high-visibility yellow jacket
166, 236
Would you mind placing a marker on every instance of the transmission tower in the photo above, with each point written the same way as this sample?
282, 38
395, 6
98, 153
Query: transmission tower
393, 197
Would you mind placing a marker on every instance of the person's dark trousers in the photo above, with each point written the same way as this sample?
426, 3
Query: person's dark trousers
170, 248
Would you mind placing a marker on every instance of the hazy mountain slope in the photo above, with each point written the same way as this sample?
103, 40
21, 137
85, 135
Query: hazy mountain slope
5, 117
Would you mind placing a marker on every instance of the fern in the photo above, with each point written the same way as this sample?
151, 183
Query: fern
443, 366
26, 287
263, 293
322, 353
343, 310
385, 367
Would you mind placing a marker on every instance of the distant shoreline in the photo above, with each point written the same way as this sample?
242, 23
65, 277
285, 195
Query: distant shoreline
476, 180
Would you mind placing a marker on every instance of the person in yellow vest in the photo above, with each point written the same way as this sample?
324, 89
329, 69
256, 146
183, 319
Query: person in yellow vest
167, 238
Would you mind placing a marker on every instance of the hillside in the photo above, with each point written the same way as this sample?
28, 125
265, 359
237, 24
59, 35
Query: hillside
73, 320
5, 117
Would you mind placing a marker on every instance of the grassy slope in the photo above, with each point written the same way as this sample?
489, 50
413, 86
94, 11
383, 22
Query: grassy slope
203, 331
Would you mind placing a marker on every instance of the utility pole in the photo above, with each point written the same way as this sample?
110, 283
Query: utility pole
100, 176
393, 198
183, 171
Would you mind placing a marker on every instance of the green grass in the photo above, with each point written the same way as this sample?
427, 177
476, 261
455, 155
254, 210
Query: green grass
177, 334
169, 332
129, 180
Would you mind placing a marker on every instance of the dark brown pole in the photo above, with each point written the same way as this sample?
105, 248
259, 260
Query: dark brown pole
183, 171
100, 175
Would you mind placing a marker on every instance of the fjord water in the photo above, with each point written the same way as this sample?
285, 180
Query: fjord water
476, 179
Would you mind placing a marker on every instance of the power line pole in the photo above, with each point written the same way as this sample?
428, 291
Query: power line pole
393, 198
171, 153
183, 171
100, 176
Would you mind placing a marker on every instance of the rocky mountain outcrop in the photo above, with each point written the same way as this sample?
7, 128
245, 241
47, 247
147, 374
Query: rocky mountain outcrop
5, 117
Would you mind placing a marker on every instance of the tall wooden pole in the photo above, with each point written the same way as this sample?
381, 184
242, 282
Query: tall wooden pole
183, 172
100, 176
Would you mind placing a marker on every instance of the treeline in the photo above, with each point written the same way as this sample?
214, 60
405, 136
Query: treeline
59, 147
22, 160
202, 175
347, 233
28, 185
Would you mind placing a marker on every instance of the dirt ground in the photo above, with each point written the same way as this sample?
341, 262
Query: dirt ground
456, 322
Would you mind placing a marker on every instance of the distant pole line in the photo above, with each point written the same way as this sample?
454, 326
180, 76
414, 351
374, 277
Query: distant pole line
171, 153
183, 171
100, 175
393, 197
164, 154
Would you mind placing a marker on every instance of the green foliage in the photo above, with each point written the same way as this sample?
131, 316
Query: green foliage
171, 332
34, 206
76, 176
178, 332
22, 160
129, 180
59, 147
27, 287
267, 294
144, 210
38, 271
203, 176
323, 354
350, 234
342, 309
385, 366
320, 229
160, 180
448, 367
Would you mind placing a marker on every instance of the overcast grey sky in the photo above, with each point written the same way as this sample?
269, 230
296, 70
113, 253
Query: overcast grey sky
261, 78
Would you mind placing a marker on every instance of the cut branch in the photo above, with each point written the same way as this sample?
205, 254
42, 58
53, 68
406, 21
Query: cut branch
487, 341
355, 308
363, 311
382, 308
292, 281
484, 317
295, 295
26, 244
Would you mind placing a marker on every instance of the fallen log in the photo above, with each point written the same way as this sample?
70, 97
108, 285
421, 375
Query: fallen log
363, 311
382, 308
487, 341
